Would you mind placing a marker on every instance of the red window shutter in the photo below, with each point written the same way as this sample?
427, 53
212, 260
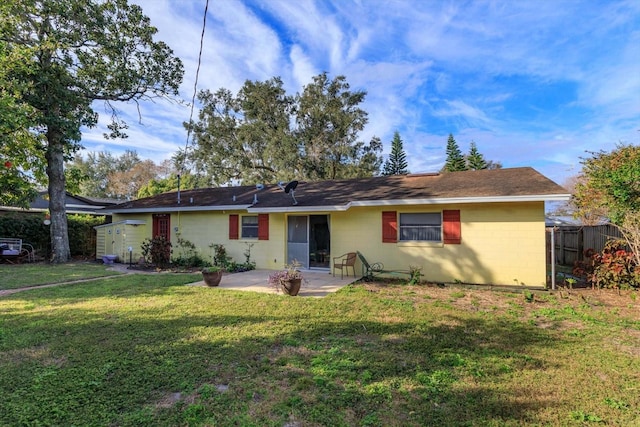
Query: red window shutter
451, 227
263, 226
389, 227
233, 227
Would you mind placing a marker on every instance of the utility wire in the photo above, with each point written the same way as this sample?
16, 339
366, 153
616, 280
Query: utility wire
195, 91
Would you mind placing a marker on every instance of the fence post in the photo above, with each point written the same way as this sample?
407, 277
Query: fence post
553, 258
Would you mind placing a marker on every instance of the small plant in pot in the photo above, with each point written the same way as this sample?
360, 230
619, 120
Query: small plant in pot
288, 280
212, 275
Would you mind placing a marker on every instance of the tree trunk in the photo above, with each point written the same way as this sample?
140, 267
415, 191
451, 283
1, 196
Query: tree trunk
60, 252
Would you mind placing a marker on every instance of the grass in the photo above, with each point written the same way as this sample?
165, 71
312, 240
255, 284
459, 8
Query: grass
24, 275
145, 350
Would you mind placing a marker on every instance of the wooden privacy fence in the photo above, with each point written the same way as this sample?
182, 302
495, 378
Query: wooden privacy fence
572, 241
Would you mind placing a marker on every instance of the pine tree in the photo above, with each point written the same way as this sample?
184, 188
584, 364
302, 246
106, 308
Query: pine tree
475, 160
396, 164
455, 160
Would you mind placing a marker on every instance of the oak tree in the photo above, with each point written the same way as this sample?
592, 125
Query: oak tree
16, 142
246, 136
261, 134
77, 52
329, 119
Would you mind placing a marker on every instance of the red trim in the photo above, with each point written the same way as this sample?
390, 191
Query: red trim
389, 227
263, 226
233, 226
451, 230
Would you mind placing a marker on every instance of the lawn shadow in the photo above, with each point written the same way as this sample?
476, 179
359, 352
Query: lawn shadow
274, 357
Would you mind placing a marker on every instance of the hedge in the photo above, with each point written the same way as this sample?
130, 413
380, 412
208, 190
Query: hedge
31, 229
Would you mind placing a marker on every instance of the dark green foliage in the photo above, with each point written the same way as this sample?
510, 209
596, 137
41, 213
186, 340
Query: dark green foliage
264, 135
328, 119
396, 164
82, 235
26, 226
30, 228
72, 53
475, 160
16, 188
455, 160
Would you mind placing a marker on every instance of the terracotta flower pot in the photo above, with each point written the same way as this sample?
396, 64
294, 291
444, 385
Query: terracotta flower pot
291, 286
212, 278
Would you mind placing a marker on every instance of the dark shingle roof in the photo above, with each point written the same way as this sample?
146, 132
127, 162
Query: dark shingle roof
460, 187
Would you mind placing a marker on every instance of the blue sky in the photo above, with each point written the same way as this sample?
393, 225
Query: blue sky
533, 83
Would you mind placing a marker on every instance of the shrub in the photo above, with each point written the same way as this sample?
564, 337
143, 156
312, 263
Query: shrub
188, 256
614, 267
82, 235
584, 267
415, 275
220, 257
234, 267
157, 251
29, 227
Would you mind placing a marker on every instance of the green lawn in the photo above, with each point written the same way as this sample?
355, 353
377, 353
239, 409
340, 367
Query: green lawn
24, 275
145, 350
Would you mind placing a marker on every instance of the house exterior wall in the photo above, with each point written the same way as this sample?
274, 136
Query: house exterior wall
115, 238
204, 229
133, 237
502, 243
101, 242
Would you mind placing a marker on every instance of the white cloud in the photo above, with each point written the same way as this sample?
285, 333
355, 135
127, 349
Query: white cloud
429, 68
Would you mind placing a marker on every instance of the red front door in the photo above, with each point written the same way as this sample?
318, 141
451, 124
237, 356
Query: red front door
161, 225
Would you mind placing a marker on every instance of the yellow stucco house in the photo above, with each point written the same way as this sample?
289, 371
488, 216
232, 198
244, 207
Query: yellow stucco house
482, 227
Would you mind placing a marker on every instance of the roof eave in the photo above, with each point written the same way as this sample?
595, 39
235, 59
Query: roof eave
179, 209
339, 208
454, 200
295, 208
408, 202
135, 222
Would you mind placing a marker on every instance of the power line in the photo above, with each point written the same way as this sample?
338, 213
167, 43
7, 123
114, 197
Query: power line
195, 91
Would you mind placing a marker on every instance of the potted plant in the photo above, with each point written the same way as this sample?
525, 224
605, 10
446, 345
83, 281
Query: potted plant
288, 280
212, 275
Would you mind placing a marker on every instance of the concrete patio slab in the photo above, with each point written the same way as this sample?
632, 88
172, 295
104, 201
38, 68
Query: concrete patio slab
317, 283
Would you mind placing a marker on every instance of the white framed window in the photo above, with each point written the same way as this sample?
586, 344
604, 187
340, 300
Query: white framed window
250, 227
422, 227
